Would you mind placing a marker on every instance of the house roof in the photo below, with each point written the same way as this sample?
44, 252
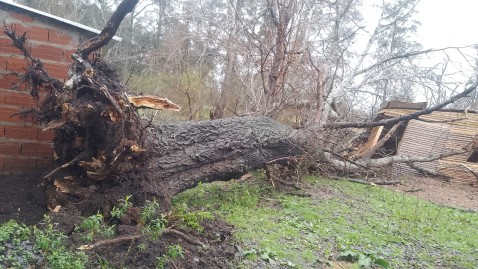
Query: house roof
407, 105
79, 26
403, 106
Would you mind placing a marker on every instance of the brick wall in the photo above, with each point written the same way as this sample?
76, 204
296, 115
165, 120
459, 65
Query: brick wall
24, 146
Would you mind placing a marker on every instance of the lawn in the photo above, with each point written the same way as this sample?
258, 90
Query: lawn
337, 224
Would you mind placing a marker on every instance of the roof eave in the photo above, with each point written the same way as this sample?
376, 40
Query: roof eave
56, 18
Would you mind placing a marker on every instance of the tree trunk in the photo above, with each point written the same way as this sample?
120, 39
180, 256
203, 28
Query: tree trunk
178, 157
184, 154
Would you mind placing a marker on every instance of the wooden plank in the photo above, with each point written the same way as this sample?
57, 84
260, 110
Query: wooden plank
371, 141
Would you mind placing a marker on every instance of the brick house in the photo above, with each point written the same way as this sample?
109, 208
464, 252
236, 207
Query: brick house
24, 147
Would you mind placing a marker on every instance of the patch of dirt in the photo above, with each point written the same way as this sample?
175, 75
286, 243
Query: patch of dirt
218, 252
22, 198
463, 196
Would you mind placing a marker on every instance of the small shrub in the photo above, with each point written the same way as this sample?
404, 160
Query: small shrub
149, 211
94, 226
50, 242
173, 252
120, 211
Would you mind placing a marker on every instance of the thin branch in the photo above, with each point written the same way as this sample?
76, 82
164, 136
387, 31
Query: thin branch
402, 56
471, 170
427, 172
78, 157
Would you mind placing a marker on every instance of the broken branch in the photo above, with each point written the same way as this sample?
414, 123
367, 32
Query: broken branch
408, 117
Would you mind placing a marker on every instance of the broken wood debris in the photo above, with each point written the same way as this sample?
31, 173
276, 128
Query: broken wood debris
153, 102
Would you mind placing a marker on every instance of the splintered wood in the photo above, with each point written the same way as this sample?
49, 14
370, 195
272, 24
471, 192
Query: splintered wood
153, 102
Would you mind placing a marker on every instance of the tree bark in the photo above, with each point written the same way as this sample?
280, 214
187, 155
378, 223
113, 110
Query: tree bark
109, 30
184, 154
178, 157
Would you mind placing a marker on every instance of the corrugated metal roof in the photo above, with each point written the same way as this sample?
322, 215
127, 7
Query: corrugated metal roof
438, 132
53, 17
422, 139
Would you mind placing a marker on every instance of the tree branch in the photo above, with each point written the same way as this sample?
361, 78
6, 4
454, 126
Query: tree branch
368, 154
110, 29
370, 163
408, 117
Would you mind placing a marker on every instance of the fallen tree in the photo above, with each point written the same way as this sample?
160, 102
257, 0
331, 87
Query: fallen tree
105, 151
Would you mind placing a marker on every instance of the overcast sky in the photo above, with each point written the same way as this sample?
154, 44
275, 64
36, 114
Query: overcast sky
447, 23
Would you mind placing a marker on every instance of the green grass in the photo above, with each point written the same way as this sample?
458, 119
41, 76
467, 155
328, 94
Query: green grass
365, 224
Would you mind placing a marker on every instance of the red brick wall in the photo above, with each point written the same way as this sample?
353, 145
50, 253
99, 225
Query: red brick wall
23, 146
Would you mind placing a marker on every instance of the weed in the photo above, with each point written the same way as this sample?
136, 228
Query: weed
363, 259
142, 247
151, 221
156, 226
94, 226
120, 211
47, 238
50, 242
192, 219
268, 255
173, 252
148, 212
103, 263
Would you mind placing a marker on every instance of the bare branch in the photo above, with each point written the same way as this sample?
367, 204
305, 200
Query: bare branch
402, 56
370, 163
408, 117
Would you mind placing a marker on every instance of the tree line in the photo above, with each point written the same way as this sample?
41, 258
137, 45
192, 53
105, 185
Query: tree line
301, 62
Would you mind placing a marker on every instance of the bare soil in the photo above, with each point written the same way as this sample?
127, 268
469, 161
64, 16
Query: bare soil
22, 199
458, 195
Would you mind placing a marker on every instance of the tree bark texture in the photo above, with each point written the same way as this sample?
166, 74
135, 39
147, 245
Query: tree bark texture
185, 154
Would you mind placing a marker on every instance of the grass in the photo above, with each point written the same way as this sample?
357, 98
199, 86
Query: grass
365, 225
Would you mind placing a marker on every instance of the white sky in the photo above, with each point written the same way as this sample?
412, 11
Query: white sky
447, 23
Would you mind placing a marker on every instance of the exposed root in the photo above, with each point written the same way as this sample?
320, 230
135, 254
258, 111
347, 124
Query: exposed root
183, 236
65, 165
170, 231
110, 241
